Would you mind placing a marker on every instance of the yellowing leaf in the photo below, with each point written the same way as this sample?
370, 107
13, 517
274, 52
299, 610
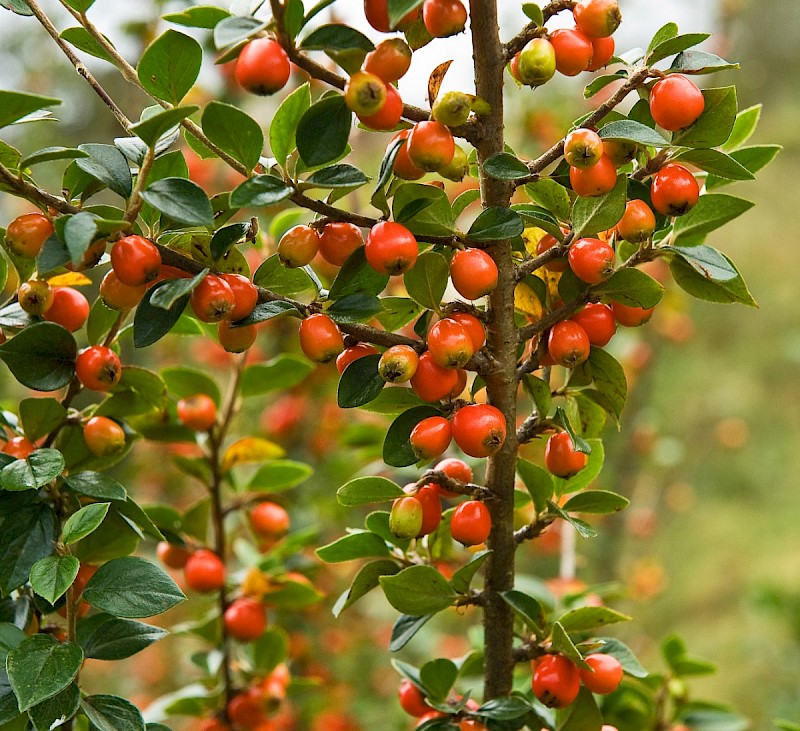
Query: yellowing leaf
532, 236
551, 279
250, 449
526, 302
69, 279
255, 583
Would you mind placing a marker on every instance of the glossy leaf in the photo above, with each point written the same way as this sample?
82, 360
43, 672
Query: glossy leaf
360, 382
180, 200
364, 490
234, 132
41, 667
712, 211
323, 131
52, 576
14, 105
593, 214
538, 482
504, 166
367, 579
397, 451
150, 130
36, 470
151, 323
85, 521
170, 65
427, 281
112, 713
632, 287
418, 590
631, 131
354, 546
108, 165
260, 191
104, 637
598, 502
283, 128
496, 224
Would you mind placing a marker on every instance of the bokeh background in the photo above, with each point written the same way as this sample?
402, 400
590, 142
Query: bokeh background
710, 548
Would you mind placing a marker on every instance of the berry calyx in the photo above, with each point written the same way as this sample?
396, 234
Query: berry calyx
583, 148
365, 93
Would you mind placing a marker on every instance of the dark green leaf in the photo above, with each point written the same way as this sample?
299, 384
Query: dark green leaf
39, 468
364, 490
674, 44
712, 211
730, 291
52, 576
268, 311
716, 162
132, 587
85, 521
323, 131
283, 128
357, 276
170, 65
150, 130
596, 85
539, 218
423, 209
552, 196
630, 131
632, 287
151, 323
496, 224
562, 643
582, 715
175, 290
599, 213
505, 709
752, 159
111, 713
60, 707
360, 382
260, 191
277, 278
715, 124
14, 105
27, 534
404, 629
537, 481
427, 281
104, 637
462, 579
365, 581
354, 546
234, 132
418, 590
527, 608
96, 485
583, 528
282, 372
358, 307
41, 667
336, 176
48, 154
225, 238
108, 165
609, 379
743, 127
397, 451
504, 166
707, 261
336, 37
181, 200
438, 677
40, 416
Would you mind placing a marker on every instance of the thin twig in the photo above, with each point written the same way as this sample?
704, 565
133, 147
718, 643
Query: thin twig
533, 30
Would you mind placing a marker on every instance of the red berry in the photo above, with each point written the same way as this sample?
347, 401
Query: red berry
431, 508
338, 240
568, 344
597, 321
675, 190
70, 308
391, 248
119, 296
103, 436
204, 572
444, 18
479, 429
245, 295
631, 316
98, 368
583, 148
389, 115
403, 167
473, 272
473, 326
27, 233
298, 246
606, 674
560, 456
246, 710
212, 299
135, 260
245, 619
431, 382
353, 353
412, 699
676, 102
236, 339
456, 469
471, 523
262, 67
18, 447
602, 53
390, 60
449, 344
431, 437
573, 51
175, 557
591, 260
596, 180
556, 681
197, 412
430, 146
597, 18
638, 222
269, 520
320, 339
398, 364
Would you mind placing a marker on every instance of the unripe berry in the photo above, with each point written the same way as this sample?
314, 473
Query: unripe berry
298, 246
405, 519
103, 436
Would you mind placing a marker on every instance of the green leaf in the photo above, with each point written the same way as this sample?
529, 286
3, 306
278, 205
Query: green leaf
367, 579
585, 619
151, 323
427, 281
354, 546
269, 650
462, 579
404, 629
599, 502
398, 9
360, 382
707, 261
78, 232
609, 379
104, 637
753, 159
354, 308
52, 576
630, 131
236, 29
357, 276
277, 278
108, 165
199, 16
150, 130
715, 720
323, 131
700, 62
36, 470
14, 105
20, 7
743, 128
562, 643
623, 653
496, 224
62, 706
418, 590
336, 37
170, 65
600, 213
664, 33
717, 163
41, 667
364, 490
583, 528
47, 154
505, 709
674, 44
397, 451
423, 209
234, 132
584, 478
582, 715
715, 124
550, 195
690, 280
438, 676
27, 534
712, 211
40, 416
540, 218
132, 587
336, 176
180, 200
283, 128
260, 191
175, 290
85, 521
538, 482
596, 85
96, 485
111, 713
527, 608
504, 166
278, 475
283, 372
632, 287
225, 238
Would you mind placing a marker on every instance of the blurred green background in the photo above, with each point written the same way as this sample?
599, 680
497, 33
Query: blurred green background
710, 548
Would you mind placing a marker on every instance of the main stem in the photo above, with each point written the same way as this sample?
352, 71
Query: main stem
501, 383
